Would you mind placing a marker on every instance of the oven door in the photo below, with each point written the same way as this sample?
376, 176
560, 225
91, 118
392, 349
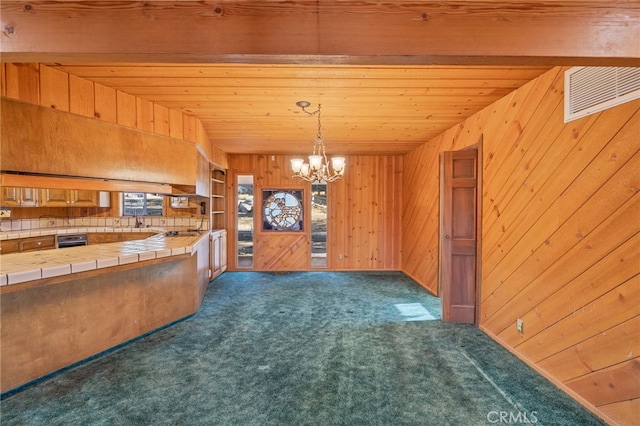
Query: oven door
72, 240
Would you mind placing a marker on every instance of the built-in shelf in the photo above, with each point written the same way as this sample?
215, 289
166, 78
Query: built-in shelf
218, 208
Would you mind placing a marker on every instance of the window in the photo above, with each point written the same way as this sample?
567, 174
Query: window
319, 225
142, 204
282, 210
245, 221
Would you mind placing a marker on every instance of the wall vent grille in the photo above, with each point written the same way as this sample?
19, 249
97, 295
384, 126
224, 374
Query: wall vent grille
588, 90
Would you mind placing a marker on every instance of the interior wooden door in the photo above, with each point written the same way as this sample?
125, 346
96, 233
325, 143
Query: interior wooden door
458, 212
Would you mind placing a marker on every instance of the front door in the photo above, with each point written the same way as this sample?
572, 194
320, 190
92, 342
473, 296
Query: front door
458, 212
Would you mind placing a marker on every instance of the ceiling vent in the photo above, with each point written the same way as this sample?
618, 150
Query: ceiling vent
588, 90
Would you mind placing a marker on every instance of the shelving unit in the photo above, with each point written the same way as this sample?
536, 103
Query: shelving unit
218, 207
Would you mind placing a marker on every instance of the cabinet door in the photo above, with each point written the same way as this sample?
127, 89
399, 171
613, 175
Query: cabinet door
9, 246
84, 198
38, 243
29, 197
179, 202
214, 252
223, 251
19, 197
55, 198
10, 196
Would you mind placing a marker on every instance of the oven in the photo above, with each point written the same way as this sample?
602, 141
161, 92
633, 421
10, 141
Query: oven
72, 240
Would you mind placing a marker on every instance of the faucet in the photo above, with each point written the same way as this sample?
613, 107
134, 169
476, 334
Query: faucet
139, 223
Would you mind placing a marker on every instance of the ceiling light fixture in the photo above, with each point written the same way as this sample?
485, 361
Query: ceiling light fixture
317, 169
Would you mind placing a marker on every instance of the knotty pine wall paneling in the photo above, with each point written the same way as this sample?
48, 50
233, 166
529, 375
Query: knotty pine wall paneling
560, 238
363, 214
105, 107
161, 120
54, 89
42, 85
144, 115
176, 124
23, 82
81, 97
127, 113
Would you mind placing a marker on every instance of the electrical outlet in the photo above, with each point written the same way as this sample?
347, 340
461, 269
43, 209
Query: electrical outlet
5, 213
340, 256
520, 325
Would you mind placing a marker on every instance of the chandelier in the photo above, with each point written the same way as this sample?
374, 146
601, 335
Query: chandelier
317, 169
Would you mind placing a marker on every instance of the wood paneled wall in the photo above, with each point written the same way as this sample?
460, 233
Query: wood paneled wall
364, 215
561, 238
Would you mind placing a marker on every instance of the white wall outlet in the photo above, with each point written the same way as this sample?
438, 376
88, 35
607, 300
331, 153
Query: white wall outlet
4, 213
340, 256
520, 325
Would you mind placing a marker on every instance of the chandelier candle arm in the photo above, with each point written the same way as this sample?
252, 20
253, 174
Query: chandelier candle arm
317, 169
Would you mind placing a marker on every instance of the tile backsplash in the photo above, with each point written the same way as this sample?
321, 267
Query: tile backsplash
7, 225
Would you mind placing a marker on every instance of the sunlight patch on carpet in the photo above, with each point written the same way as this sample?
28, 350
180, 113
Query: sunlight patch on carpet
414, 312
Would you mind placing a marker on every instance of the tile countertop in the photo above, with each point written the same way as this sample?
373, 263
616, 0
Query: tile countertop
16, 268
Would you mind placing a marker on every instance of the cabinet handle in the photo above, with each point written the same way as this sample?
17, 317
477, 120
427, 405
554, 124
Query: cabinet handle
39, 243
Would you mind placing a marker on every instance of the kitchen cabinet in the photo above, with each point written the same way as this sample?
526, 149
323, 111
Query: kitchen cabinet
45, 242
218, 253
19, 197
38, 243
9, 246
180, 202
73, 198
116, 237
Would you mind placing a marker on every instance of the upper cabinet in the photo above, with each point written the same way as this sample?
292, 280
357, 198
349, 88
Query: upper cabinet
31, 197
72, 198
96, 150
18, 197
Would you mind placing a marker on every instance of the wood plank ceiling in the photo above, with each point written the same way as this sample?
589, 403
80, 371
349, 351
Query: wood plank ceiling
389, 75
372, 109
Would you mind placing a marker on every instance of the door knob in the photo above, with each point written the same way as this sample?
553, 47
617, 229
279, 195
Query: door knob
446, 236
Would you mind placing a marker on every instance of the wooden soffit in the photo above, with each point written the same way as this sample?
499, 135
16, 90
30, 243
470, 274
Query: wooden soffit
491, 32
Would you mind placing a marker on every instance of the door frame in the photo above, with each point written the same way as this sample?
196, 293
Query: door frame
479, 191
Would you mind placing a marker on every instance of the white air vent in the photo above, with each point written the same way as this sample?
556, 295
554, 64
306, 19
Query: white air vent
588, 90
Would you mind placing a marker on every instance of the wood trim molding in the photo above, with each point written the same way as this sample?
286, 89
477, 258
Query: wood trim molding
36, 181
503, 31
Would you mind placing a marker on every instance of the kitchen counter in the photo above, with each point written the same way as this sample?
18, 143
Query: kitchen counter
17, 268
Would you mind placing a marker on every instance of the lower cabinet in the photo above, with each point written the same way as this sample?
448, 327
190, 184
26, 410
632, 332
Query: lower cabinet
28, 244
116, 237
218, 252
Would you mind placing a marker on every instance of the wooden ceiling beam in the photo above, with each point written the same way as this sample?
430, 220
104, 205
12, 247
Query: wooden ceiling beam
489, 32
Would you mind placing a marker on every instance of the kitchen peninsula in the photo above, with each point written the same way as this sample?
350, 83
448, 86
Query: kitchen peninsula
61, 306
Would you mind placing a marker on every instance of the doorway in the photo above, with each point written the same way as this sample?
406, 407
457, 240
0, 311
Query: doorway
460, 236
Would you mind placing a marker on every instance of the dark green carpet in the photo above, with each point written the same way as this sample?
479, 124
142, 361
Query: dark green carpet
303, 349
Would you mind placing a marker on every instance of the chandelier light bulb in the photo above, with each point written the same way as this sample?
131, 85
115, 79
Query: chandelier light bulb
338, 164
296, 165
315, 161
